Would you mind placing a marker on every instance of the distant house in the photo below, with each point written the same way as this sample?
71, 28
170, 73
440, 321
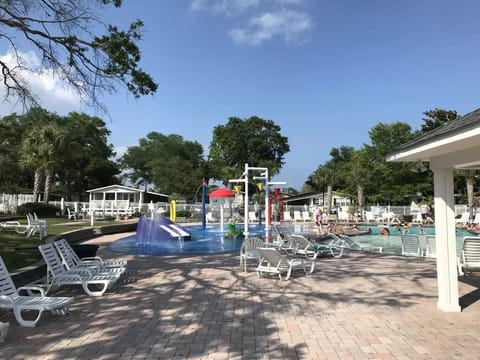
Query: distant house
318, 199
120, 199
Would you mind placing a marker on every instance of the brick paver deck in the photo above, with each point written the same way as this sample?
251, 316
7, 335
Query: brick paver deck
357, 307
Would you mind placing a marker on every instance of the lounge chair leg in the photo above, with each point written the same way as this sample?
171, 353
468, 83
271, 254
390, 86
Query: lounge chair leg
95, 292
27, 323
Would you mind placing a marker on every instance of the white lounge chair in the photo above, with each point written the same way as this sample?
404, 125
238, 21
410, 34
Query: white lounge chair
469, 259
306, 216
273, 262
297, 216
95, 265
71, 214
411, 245
287, 216
249, 251
476, 219
464, 219
352, 244
209, 218
431, 246
303, 246
58, 276
10, 298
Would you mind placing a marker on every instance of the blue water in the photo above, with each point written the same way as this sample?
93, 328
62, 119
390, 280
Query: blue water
392, 244
210, 240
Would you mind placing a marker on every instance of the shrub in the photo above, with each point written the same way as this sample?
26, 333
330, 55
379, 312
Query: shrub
41, 209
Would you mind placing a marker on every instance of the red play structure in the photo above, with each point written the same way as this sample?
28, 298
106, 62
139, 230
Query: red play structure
275, 203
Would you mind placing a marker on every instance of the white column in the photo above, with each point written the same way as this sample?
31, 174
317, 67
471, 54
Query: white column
446, 241
245, 215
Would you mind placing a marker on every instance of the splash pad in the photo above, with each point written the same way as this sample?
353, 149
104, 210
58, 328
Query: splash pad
161, 236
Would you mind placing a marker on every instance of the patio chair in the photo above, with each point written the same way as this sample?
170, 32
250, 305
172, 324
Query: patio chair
249, 250
10, 298
273, 262
303, 246
287, 216
252, 217
65, 250
71, 214
411, 245
209, 218
464, 219
93, 285
476, 219
469, 259
306, 216
352, 244
96, 266
297, 216
431, 247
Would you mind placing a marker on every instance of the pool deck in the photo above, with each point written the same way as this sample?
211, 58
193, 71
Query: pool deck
361, 306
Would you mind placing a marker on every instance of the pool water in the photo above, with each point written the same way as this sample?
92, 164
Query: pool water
392, 244
210, 240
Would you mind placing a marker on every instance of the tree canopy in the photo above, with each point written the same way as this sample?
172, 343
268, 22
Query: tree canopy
254, 141
61, 32
170, 163
69, 154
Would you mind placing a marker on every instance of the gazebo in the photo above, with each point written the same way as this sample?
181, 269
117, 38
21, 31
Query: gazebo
120, 199
455, 145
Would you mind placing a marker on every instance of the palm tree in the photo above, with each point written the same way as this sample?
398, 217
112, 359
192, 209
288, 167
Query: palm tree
41, 149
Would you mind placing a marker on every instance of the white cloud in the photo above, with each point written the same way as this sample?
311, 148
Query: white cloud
289, 24
229, 7
263, 20
53, 94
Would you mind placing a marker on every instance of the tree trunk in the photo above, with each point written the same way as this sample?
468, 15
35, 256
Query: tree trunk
329, 199
48, 185
470, 199
37, 179
360, 200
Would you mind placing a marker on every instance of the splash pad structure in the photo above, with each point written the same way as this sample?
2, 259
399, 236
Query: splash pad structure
159, 228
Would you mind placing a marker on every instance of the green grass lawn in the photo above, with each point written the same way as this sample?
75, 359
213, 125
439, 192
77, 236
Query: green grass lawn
12, 242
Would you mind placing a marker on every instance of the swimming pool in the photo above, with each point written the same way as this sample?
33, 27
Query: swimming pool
392, 243
211, 240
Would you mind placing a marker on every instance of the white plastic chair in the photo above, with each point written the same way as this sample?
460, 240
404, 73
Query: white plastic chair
287, 216
297, 216
273, 262
411, 245
431, 247
469, 259
10, 298
58, 276
96, 265
252, 217
306, 216
249, 251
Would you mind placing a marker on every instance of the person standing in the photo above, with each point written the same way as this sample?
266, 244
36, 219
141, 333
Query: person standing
424, 209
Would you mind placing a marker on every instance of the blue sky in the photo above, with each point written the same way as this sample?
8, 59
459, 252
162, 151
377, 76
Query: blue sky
325, 71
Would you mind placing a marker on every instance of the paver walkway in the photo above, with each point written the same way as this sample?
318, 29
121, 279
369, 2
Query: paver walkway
358, 307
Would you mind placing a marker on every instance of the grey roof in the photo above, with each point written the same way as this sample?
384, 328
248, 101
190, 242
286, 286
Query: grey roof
460, 124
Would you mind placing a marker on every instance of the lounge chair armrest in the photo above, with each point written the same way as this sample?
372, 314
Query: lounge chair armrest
7, 298
28, 289
92, 259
